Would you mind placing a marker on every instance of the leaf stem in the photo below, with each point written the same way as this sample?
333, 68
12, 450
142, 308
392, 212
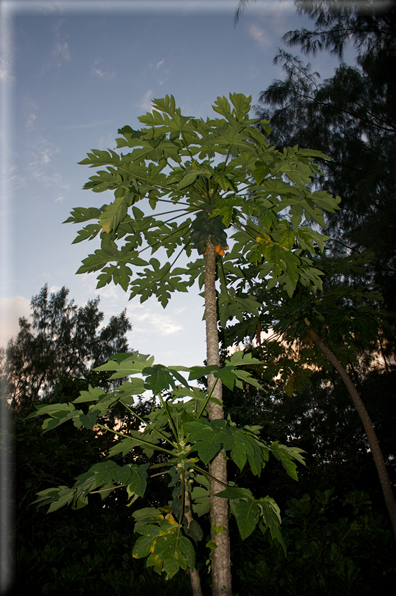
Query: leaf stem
151, 445
205, 473
171, 422
148, 424
207, 399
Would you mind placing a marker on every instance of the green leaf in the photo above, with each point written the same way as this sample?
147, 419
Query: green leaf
159, 378
138, 480
132, 364
271, 519
234, 492
123, 446
93, 394
89, 420
245, 509
195, 531
166, 546
65, 499
247, 377
286, 456
247, 516
200, 500
241, 104
114, 214
208, 437
240, 358
222, 106
146, 543
240, 445
145, 516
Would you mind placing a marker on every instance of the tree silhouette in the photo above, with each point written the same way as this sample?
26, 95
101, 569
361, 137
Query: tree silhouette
63, 340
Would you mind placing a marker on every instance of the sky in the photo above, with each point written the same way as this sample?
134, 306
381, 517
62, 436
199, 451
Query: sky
72, 73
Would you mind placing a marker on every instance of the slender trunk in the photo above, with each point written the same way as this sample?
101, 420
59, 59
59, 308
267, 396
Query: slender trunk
221, 560
193, 573
195, 582
370, 432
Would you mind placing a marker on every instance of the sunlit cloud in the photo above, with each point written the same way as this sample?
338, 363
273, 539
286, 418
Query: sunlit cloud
11, 310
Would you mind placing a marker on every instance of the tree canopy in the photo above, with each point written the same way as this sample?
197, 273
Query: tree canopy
62, 340
353, 116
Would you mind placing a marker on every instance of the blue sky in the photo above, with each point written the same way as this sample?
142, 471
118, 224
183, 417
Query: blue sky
72, 73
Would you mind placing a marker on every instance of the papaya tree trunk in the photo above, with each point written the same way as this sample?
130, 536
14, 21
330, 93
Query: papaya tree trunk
221, 561
368, 427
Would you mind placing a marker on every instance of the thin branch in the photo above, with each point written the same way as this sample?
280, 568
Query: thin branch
152, 427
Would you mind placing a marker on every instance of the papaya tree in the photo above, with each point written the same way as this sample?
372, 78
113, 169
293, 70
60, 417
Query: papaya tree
214, 186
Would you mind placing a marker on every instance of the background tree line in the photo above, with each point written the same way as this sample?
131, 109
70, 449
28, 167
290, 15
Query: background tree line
330, 535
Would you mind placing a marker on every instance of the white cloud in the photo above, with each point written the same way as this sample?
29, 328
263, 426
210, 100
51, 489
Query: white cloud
5, 72
54, 289
31, 117
145, 102
152, 323
39, 166
60, 55
106, 142
11, 309
103, 74
164, 71
260, 35
61, 52
109, 291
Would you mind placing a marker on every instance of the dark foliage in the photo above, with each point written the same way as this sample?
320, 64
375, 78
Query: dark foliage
329, 541
63, 340
87, 551
351, 117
